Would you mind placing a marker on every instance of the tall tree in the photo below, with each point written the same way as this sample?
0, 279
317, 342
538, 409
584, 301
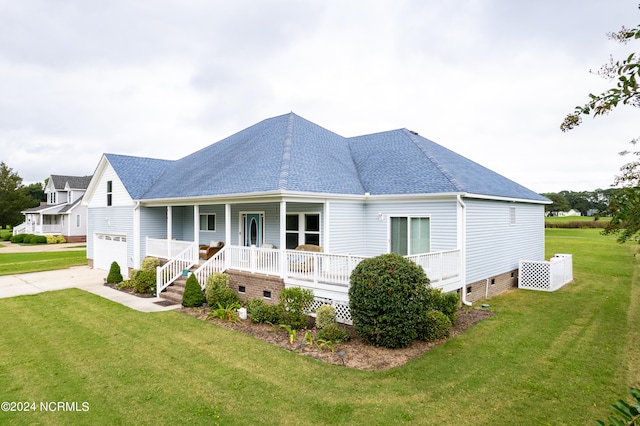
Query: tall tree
624, 203
13, 197
560, 204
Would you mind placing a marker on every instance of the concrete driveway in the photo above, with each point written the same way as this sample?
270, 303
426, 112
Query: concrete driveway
82, 277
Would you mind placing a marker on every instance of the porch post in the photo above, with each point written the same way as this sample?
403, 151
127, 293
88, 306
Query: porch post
196, 224
283, 239
227, 224
169, 222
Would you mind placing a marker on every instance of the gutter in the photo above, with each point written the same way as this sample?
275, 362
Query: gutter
463, 244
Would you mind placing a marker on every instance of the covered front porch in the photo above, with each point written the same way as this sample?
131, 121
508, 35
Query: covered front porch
326, 274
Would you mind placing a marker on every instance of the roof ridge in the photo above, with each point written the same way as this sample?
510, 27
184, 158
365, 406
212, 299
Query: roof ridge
283, 179
412, 137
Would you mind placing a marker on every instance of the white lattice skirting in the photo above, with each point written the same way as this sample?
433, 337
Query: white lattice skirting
343, 313
546, 275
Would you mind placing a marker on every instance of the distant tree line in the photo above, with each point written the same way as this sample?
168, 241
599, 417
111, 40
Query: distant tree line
16, 197
588, 203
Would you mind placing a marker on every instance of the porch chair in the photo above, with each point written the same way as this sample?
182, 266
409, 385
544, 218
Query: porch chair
206, 252
304, 263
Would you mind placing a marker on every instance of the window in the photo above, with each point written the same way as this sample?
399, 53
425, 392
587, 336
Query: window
77, 221
207, 222
109, 192
410, 235
302, 228
512, 215
52, 198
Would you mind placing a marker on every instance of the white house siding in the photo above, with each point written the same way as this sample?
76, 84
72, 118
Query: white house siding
179, 215
347, 228
218, 235
120, 196
111, 220
494, 246
443, 222
71, 227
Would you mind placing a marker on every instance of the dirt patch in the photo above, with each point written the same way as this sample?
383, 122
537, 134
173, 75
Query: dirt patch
355, 353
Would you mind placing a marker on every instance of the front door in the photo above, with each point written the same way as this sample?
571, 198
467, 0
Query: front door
253, 229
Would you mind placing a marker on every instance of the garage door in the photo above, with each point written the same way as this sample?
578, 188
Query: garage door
108, 248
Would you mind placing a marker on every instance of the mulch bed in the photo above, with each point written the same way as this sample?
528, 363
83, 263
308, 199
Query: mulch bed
129, 290
355, 353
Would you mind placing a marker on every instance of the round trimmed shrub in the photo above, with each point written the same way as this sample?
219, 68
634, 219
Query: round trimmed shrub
325, 315
193, 296
333, 333
434, 325
114, 276
18, 238
387, 298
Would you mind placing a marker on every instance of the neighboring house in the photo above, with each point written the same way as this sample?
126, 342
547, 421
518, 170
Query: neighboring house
571, 212
286, 181
63, 213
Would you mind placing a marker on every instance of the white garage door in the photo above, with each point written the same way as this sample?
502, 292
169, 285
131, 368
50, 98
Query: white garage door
108, 248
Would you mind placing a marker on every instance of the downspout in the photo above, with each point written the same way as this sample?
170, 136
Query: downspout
136, 235
462, 226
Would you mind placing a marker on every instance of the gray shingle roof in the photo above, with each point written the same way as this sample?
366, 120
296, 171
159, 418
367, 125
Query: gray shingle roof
75, 182
293, 154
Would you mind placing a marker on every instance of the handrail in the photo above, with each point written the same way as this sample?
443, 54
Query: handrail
167, 274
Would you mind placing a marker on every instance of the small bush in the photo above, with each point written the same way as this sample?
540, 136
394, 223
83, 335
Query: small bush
150, 263
217, 291
60, 239
144, 281
193, 296
18, 238
433, 326
114, 276
333, 333
295, 303
447, 303
38, 239
269, 314
325, 315
52, 239
387, 297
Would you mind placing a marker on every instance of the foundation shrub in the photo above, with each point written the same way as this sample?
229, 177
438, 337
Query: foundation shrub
295, 303
387, 298
333, 333
150, 263
114, 276
261, 312
447, 303
144, 281
60, 239
433, 325
51, 239
193, 296
18, 238
217, 291
325, 315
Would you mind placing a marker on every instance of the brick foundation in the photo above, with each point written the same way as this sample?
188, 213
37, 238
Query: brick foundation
487, 288
75, 238
255, 285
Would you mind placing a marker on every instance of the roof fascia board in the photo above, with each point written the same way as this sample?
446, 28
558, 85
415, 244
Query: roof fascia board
508, 199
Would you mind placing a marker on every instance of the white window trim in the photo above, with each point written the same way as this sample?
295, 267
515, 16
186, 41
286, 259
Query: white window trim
301, 224
215, 223
409, 217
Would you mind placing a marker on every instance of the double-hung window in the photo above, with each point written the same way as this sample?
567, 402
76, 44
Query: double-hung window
302, 228
410, 235
109, 192
207, 222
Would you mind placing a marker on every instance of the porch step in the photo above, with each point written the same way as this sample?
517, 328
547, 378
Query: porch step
175, 291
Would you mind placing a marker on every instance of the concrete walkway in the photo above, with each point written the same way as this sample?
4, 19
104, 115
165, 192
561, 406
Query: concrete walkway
82, 277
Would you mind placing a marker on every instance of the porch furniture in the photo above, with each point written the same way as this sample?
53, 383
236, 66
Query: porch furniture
304, 262
206, 252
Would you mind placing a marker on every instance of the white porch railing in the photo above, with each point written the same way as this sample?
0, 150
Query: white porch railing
439, 266
169, 249
321, 269
20, 229
546, 275
173, 269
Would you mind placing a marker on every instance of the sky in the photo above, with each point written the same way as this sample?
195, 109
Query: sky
489, 79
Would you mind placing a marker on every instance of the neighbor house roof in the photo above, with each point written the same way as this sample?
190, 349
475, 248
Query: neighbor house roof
289, 153
75, 182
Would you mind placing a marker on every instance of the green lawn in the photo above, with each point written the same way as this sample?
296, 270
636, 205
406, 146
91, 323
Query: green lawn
20, 263
545, 358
